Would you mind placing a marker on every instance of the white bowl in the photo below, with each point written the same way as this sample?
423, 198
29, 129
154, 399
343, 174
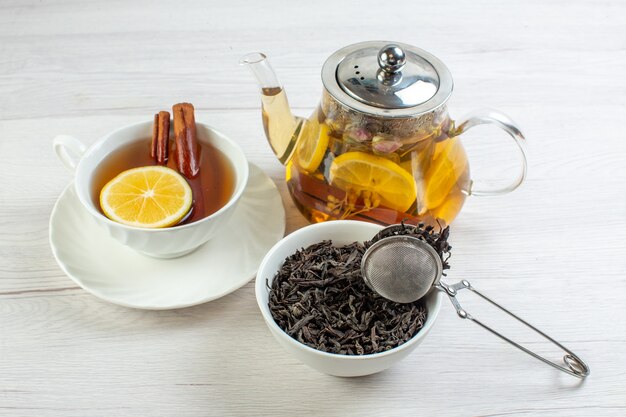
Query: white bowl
170, 242
341, 232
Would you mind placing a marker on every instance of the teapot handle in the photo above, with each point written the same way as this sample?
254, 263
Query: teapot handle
505, 123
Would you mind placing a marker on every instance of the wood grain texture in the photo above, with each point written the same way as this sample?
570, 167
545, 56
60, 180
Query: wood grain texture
554, 250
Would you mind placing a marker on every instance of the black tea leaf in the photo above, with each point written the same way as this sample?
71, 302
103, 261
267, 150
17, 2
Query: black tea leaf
319, 298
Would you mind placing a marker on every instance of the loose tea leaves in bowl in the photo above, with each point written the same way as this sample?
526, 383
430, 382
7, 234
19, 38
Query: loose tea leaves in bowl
319, 298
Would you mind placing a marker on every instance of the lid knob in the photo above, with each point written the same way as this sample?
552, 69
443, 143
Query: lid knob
391, 58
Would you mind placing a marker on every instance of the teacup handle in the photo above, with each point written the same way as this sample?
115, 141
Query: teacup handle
509, 126
69, 150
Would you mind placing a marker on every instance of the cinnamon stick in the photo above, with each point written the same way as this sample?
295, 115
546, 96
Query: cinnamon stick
187, 148
155, 135
160, 137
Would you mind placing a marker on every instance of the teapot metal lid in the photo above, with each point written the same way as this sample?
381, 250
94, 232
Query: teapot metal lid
387, 79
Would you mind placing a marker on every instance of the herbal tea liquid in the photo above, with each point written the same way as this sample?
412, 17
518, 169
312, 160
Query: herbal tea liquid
435, 171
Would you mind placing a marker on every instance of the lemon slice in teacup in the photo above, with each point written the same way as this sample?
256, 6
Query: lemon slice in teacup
150, 197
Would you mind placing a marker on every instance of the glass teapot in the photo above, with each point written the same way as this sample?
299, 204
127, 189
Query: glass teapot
380, 146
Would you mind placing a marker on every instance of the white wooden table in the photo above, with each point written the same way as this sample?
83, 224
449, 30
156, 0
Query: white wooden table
554, 250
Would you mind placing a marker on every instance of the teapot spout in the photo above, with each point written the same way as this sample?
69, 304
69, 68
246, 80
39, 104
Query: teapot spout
282, 128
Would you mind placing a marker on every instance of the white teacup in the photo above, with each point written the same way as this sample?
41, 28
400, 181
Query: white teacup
161, 243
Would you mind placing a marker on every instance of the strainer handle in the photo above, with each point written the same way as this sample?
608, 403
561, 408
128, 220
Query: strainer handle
575, 366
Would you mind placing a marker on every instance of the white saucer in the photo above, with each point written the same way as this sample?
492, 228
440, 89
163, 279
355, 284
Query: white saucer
118, 274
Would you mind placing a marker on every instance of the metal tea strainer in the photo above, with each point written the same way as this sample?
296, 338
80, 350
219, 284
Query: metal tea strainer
403, 268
